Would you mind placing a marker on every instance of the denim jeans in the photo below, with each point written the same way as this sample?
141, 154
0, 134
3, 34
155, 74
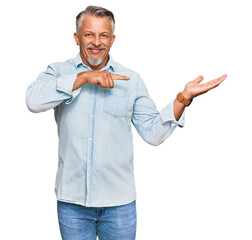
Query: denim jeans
86, 223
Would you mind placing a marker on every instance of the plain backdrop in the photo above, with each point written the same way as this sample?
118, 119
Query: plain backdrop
197, 184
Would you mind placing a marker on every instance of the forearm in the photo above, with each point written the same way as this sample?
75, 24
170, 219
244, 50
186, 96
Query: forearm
44, 96
178, 109
154, 127
49, 90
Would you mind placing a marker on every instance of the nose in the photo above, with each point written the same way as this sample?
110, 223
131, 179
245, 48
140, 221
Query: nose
96, 40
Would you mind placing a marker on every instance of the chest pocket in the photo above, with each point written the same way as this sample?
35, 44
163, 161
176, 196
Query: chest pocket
116, 102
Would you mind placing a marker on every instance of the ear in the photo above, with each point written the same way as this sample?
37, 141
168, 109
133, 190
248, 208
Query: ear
112, 40
76, 37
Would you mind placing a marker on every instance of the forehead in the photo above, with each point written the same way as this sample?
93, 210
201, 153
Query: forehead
93, 23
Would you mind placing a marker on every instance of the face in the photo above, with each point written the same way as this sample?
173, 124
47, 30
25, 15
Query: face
95, 39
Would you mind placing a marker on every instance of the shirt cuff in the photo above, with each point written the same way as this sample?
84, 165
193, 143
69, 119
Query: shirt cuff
65, 84
167, 115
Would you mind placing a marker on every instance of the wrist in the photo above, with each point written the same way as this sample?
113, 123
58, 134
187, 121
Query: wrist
186, 95
83, 77
182, 99
79, 81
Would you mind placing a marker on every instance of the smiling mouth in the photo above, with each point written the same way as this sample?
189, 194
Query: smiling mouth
95, 50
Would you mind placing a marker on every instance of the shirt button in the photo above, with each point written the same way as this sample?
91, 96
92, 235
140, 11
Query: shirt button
93, 96
91, 115
90, 139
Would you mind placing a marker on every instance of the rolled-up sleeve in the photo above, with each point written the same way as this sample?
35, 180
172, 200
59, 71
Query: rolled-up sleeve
167, 116
50, 89
153, 126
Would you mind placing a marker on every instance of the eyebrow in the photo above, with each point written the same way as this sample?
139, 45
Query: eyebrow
90, 31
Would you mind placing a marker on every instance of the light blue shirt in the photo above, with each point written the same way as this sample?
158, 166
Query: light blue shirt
95, 165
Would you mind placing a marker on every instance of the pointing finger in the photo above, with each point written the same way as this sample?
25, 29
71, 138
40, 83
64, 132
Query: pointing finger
119, 77
223, 77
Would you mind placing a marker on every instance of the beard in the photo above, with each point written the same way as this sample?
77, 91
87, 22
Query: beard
95, 62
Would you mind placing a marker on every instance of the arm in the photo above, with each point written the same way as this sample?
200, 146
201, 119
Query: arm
50, 89
194, 89
155, 127
99, 78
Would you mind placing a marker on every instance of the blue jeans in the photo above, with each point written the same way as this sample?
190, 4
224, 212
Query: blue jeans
86, 223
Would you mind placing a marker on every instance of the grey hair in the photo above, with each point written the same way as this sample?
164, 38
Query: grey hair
95, 11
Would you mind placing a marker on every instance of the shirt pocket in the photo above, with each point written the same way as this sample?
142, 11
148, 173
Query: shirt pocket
116, 102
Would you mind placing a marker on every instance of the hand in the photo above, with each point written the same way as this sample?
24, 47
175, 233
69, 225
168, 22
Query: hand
99, 78
194, 88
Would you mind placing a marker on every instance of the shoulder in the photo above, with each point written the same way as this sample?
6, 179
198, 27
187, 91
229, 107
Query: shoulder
66, 67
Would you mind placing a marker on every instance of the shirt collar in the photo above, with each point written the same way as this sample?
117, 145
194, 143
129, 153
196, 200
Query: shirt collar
77, 61
111, 63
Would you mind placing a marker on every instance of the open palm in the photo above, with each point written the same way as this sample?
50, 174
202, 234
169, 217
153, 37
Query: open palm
194, 88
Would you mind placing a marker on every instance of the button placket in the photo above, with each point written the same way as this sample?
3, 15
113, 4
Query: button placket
90, 143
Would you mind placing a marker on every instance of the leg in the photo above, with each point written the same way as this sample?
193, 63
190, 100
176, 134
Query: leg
76, 222
118, 223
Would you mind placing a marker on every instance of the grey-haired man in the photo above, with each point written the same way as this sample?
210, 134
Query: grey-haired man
95, 100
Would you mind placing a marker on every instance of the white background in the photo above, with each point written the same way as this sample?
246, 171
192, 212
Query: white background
197, 184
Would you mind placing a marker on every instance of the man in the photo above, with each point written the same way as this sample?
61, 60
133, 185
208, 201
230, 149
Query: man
95, 99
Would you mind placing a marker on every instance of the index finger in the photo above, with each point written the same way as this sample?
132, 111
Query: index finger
219, 80
216, 82
119, 77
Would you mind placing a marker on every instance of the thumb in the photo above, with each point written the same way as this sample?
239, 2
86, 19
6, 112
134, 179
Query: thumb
198, 79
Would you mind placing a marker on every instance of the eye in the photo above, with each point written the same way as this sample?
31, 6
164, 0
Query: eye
88, 35
104, 36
